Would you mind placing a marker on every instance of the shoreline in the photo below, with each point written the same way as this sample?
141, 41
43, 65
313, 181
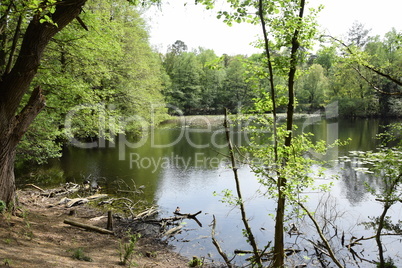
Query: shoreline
37, 237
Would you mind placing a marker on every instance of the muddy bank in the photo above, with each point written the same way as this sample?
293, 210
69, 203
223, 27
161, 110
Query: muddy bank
37, 237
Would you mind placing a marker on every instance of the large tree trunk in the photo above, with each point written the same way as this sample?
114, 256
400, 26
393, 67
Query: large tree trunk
9, 141
15, 83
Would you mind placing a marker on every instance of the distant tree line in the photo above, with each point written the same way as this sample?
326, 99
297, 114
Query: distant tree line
200, 82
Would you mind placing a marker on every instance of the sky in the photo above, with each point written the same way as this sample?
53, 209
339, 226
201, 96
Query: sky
198, 27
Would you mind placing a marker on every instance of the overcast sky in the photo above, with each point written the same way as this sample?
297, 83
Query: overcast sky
199, 27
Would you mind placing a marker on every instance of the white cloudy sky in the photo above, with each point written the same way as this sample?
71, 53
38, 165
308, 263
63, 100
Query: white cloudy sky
199, 27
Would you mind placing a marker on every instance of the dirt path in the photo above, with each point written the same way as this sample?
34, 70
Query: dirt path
39, 238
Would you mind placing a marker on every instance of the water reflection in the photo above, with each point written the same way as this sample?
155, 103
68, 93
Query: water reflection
184, 164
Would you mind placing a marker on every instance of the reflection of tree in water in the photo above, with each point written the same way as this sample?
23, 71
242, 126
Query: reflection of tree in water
354, 181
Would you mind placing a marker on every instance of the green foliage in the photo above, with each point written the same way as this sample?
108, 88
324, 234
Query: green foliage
98, 83
207, 83
195, 262
311, 87
7, 262
127, 250
389, 263
79, 254
202, 83
3, 206
385, 165
298, 171
356, 72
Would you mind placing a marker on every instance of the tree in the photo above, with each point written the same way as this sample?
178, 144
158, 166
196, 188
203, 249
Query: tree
19, 62
99, 76
327, 58
368, 75
237, 91
312, 87
212, 81
185, 75
16, 80
358, 35
289, 30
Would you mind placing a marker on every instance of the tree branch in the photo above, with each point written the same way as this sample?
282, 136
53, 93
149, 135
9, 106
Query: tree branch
217, 246
14, 45
22, 121
374, 86
377, 71
324, 240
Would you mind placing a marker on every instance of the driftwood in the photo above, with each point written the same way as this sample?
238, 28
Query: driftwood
36, 187
68, 188
88, 227
146, 214
78, 201
172, 231
189, 216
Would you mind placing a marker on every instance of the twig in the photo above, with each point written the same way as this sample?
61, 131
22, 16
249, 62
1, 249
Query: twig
217, 246
324, 240
36, 187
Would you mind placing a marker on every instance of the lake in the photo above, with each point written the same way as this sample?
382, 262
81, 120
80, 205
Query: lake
183, 164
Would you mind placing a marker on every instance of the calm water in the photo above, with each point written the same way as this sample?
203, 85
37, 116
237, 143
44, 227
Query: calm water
183, 164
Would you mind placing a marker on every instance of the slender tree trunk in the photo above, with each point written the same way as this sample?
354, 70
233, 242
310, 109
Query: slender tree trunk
249, 234
279, 258
378, 235
15, 83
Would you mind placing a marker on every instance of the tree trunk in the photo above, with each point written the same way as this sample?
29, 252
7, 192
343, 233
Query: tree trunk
279, 246
381, 221
15, 83
9, 141
7, 181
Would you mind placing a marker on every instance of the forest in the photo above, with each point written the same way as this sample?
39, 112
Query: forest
203, 83
107, 67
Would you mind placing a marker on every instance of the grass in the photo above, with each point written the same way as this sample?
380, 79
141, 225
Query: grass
79, 254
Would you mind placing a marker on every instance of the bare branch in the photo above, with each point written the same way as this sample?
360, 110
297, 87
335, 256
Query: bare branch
324, 240
217, 246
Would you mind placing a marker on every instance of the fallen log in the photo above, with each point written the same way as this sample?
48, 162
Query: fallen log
88, 227
172, 231
76, 202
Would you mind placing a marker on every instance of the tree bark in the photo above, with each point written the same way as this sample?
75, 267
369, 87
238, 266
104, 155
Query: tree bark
15, 83
9, 141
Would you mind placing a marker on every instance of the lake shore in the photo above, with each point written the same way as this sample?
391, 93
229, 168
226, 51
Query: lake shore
37, 237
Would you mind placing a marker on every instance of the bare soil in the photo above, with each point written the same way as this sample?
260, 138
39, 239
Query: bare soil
37, 237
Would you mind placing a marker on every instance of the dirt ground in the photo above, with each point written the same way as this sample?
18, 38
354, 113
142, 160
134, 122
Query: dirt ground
37, 237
